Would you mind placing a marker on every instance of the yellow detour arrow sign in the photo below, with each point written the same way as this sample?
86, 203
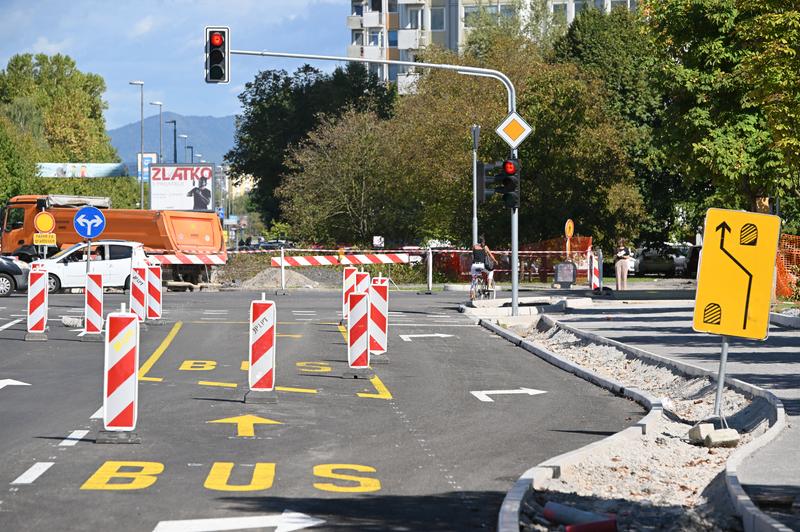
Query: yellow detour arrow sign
736, 274
245, 425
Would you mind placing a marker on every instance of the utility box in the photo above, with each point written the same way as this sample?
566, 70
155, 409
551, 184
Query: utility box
566, 274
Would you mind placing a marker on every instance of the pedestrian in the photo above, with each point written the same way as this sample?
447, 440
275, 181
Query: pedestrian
621, 264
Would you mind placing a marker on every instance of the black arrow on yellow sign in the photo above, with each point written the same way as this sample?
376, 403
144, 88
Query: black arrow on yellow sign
723, 228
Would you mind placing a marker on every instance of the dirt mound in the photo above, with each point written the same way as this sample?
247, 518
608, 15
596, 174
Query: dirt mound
271, 278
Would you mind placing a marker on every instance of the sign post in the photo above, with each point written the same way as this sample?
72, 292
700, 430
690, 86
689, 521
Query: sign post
735, 279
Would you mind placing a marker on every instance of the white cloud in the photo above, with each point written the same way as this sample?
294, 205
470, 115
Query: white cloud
43, 45
145, 25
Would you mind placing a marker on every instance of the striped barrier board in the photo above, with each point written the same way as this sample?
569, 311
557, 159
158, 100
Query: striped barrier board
261, 374
348, 287
209, 259
595, 281
120, 379
93, 304
378, 315
37, 301
362, 282
138, 295
336, 260
358, 331
154, 292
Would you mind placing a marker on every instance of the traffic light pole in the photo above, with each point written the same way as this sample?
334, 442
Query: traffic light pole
461, 69
476, 132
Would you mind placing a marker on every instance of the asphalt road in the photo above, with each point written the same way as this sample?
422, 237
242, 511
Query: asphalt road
411, 449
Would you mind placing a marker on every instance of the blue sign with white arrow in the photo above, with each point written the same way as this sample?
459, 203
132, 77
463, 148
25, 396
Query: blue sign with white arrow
89, 222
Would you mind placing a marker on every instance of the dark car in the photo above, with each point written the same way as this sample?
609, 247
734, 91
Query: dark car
13, 276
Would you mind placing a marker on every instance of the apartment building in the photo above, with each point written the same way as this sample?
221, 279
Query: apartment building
397, 29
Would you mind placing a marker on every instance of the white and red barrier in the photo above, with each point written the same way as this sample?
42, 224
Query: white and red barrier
37, 301
348, 287
593, 272
335, 260
362, 282
138, 295
261, 374
93, 304
154, 292
120, 378
379, 315
358, 330
209, 259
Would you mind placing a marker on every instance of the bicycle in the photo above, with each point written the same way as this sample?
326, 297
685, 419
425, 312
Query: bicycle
481, 287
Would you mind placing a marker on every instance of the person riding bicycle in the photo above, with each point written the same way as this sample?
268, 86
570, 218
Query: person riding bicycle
483, 260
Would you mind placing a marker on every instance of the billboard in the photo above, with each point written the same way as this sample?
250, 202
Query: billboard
82, 169
182, 187
143, 162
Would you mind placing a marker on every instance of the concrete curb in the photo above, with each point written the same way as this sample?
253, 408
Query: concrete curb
753, 519
793, 322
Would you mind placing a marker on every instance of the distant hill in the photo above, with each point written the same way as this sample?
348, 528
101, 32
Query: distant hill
211, 136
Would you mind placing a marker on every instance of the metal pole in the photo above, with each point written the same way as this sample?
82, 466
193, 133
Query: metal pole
476, 132
175, 141
141, 145
160, 135
430, 270
461, 69
723, 362
600, 266
283, 273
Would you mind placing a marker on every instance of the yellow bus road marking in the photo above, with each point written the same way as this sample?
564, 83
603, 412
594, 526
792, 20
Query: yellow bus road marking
159, 351
295, 390
343, 330
383, 391
245, 425
313, 367
219, 384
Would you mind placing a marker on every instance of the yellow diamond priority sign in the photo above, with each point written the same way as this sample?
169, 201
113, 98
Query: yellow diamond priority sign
513, 130
736, 273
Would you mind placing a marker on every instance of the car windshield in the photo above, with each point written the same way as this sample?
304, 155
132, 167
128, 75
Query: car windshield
66, 251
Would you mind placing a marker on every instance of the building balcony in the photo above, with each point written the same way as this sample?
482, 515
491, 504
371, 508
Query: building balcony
372, 19
412, 39
354, 22
366, 52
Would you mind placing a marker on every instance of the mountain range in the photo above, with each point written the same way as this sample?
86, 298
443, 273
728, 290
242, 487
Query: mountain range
211, 136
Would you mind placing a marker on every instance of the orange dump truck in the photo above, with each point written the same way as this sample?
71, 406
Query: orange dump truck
187, 244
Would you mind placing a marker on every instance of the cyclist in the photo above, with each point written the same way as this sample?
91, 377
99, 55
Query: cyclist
483, 260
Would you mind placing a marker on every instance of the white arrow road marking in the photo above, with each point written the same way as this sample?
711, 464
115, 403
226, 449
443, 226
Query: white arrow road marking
484, 395
11, 382
286, 522
408, 337
9, 324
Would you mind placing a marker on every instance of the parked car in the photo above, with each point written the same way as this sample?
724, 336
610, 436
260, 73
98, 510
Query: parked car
668, 259
13, 275
112, 258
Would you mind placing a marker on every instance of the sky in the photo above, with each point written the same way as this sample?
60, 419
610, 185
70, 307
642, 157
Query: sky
162, 44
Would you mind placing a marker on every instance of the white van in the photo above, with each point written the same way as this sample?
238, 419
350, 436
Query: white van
112, 258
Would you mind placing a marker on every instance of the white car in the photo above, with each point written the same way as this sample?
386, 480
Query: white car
112, 258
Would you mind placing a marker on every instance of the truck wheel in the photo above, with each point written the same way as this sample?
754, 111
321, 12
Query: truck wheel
7, 285
53, 284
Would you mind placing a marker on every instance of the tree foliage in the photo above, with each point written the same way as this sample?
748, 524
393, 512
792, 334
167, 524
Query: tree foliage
280, 109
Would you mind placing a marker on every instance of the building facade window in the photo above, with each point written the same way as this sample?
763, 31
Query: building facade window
358, 38
437, 19
472, 13
374, 37
393, 38
358, 10
415, 19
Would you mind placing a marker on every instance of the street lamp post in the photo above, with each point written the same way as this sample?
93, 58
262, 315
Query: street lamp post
141, 139
191, 154
160, 132
185, 140
174, 140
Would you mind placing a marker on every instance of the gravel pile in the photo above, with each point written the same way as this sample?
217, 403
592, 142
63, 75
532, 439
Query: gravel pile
659, 481
271, 278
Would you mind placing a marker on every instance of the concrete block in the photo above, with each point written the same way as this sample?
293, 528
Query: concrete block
722, 438
698, 433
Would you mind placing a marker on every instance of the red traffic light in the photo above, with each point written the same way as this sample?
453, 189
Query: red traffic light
217, 39
510, 167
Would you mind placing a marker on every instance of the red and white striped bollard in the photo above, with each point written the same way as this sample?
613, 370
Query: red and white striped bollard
261, 373
379, 318
358, 331
37, 305
93, 305
120, 378
154, 292
138, 295
348, 287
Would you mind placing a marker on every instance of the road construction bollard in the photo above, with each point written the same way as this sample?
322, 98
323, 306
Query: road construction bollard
138, 292
430, 270
358, 336
379, 319
154, 292
37, 305
261, 373
362, 282
120, 379
93, 307
348, 287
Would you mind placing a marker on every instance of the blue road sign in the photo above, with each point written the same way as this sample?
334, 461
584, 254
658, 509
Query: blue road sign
89, 222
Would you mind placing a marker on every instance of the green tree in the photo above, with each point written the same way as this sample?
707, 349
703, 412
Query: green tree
280, 109
17, 160
58, 105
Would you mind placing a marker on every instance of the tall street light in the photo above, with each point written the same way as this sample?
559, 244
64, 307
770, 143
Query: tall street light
174, 140
141, 139
185, 140
160, 132
191, 156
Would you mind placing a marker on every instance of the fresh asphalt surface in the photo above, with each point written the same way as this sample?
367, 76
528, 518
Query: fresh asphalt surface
414, 451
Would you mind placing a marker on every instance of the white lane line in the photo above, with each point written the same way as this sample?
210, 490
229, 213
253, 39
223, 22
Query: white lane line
9, 324
98, 414
215, 311
33, 472
213, 318
304, 312
430, 324
73, 438
305, 319
18, 315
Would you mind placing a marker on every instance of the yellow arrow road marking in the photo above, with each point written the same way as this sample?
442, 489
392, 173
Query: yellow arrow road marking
383, 391
245, 425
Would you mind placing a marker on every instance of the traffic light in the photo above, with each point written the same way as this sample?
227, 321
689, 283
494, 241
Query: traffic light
488, 177
217, 54
509, 179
